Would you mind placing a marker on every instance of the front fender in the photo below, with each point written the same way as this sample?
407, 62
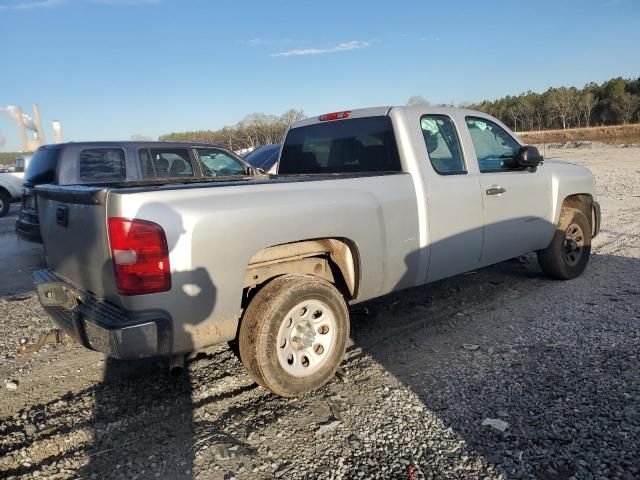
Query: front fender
12, 183
568, 180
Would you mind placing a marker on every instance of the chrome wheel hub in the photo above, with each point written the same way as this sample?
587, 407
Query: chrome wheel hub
573, 244
306, 338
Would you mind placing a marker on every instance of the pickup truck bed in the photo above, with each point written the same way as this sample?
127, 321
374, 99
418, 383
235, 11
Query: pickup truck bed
210, 248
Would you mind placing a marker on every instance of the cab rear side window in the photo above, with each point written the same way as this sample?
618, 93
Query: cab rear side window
357, 145
443, 145
102, 165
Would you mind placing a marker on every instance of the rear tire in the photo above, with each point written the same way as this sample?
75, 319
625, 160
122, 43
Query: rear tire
294, 334
5, 203
567, 255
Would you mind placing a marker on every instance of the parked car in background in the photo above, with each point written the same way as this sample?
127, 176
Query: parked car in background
22, 162
366, 202
11, 183
264, 157
120, 163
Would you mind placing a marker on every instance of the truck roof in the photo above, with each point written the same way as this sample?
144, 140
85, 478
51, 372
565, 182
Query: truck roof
384, 110
133, 143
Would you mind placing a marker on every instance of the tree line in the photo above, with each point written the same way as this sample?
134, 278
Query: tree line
252, 131
614, 102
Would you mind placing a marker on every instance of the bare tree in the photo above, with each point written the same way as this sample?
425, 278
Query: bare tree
587, 101
626, 105
417, 100
514, 113
291, 116
142, 138
563, 104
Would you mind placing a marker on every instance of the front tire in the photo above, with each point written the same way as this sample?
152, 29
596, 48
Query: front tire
568, 254
294, 334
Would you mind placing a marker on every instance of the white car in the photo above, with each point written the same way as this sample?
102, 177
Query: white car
11, 184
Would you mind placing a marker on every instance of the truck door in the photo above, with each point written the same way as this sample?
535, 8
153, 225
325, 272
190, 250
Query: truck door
515, 201
454, 208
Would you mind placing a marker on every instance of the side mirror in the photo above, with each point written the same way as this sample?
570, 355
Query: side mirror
529, 157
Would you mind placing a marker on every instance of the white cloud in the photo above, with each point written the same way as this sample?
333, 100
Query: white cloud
256, 42
340, 47
126, 2
28, 4
17, 5
15, 113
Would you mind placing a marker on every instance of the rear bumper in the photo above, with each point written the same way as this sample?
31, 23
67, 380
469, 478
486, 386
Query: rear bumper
101, 326
28, 226
595, 224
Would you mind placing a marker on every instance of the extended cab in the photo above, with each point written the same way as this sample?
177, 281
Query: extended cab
365, 202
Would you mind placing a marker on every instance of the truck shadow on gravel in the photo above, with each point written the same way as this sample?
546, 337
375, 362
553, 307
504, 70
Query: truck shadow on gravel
124, 417
555, 361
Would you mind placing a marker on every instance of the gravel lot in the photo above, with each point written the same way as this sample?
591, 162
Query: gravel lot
500, 373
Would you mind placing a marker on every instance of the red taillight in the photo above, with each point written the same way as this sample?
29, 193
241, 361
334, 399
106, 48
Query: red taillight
334, 116
140, 256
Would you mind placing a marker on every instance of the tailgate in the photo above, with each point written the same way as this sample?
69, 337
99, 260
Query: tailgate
74, 233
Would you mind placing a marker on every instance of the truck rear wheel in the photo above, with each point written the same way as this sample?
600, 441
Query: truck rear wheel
568, 254
294, 334
5, 202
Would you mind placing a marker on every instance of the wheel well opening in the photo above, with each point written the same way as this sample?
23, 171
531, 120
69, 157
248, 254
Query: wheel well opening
582, 202
332, 259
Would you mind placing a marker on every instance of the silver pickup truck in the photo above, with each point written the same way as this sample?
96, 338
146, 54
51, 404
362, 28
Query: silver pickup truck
365, 202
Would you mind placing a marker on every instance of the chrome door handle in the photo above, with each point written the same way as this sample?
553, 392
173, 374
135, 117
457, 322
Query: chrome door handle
495, 190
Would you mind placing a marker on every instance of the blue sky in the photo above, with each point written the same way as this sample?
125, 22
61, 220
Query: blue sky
110, 69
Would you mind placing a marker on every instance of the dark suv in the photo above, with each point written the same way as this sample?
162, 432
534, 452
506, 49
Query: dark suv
119, 162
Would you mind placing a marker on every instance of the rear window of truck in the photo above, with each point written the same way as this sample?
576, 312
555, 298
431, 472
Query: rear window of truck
102, 165
356, 145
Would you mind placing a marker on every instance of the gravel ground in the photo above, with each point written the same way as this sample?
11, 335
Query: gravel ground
499, 373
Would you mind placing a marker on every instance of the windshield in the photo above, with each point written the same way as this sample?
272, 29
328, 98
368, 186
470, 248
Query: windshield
264, 157
216, 162
42, 167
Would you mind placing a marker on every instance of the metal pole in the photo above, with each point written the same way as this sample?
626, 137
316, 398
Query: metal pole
36, 119
23, 130
57, 131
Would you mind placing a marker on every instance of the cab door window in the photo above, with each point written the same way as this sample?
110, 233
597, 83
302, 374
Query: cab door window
443, 145
495, 149
166, 163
